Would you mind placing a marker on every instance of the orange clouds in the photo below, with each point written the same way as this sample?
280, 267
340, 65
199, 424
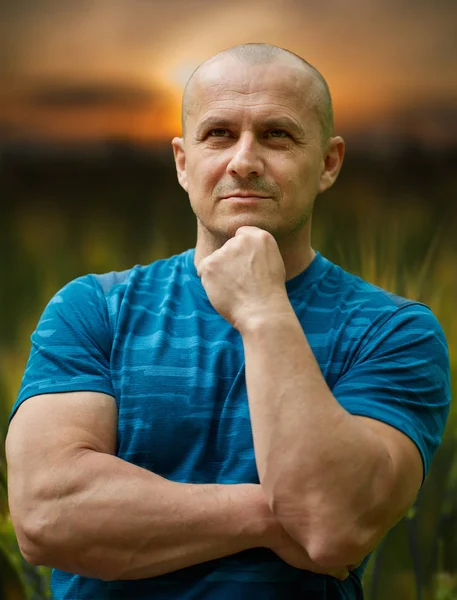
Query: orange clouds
86, 110
379, 58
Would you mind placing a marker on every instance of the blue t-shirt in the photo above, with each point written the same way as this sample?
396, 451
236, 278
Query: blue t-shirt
150, 338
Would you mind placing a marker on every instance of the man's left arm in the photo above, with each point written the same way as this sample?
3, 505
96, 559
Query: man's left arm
336, 479
337, 482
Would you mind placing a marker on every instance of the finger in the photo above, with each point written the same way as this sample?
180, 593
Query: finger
245, 229
240, 231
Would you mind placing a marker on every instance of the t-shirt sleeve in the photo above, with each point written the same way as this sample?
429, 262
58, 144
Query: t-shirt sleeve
71, 344
401, 376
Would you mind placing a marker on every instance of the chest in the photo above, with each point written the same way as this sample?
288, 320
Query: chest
179, 379
180, 388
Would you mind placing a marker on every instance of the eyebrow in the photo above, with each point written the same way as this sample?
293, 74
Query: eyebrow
269, 123
284, 123
213, 123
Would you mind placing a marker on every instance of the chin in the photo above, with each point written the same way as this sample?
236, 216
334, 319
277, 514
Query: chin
217, 232
229, 229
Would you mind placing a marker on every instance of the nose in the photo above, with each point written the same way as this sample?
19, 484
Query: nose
246, 159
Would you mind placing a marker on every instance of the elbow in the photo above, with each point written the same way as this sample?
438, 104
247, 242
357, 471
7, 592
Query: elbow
329, 552
29, 551
42, 542
42, 546
331, 549
331, 540
30, 535
35, 519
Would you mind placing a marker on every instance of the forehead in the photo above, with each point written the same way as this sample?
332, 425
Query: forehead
267, 89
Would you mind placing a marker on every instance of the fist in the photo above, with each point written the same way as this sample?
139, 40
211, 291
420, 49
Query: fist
245, 277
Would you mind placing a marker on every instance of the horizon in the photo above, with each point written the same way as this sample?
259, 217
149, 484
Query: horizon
101, 70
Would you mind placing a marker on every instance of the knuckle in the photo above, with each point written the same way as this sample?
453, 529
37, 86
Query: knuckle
265, 235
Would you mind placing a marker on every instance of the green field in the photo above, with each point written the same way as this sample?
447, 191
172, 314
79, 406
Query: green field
386, 222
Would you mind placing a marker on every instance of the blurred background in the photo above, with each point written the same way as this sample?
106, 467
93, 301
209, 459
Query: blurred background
90, 97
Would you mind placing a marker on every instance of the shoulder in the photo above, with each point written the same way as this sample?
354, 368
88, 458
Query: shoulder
140, 276
354, 290
374, 306
90, 301
367, 319
394, 324
94, 289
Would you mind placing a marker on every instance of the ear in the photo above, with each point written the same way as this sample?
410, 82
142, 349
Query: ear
180, 161
332, 163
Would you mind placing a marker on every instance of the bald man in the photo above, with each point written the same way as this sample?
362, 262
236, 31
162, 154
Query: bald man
244, 420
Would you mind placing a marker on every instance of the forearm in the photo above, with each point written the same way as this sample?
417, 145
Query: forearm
319, 467
113, 520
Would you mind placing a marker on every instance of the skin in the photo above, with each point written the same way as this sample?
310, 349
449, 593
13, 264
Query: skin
243, 136
71, 498
68, 491
246, 250
77, 507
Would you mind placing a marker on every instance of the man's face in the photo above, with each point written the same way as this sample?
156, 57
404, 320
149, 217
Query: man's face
252, 152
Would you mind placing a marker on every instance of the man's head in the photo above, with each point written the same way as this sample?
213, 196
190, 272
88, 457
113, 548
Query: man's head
255, 54
257, 122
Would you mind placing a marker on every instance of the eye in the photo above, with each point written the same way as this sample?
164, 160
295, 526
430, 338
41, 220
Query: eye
278, 133
219, 132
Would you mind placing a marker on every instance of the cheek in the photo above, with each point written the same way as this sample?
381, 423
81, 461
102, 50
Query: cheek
290, 178
308, 174
288, 167
298, 182
204, 174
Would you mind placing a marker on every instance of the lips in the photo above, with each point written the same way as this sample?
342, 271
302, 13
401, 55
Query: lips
243, 195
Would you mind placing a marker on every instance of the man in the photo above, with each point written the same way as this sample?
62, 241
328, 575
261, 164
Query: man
246, 419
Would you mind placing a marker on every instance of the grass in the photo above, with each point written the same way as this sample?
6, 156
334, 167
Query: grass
406, 256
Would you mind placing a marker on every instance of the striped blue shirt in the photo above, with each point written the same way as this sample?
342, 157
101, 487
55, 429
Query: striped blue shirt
150, 338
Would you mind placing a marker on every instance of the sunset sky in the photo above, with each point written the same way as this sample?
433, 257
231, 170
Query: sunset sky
91, 69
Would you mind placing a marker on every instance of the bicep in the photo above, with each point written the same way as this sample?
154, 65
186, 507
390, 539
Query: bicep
50, 430
400, 379
406, 465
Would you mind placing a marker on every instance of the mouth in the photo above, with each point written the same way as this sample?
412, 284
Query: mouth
245, 196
